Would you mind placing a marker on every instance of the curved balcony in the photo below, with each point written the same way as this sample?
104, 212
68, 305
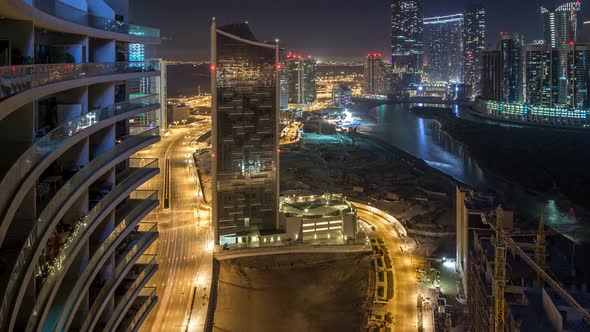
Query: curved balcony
82, 231
66, 304
20, 85
147, 271
141, 308
128, 297
58, 16
27, 169
127, 219
54, 211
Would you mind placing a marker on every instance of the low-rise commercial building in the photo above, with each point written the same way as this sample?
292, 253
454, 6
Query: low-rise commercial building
308, 219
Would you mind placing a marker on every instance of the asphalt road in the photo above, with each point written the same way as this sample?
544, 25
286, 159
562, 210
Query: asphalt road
184, 247
403, 304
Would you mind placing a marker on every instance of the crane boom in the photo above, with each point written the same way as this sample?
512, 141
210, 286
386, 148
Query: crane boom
509, 242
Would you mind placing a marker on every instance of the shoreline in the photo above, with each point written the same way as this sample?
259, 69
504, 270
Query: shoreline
408, 155
563, 201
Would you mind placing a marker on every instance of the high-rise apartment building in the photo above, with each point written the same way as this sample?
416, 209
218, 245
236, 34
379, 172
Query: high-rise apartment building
72, 240
491, 79
578, 76
376, 75
407, 25
560, 24
560, 27
541, 66
302, 78
541, 75
284, 80
443, 48
245, 85
474, 43
512, 67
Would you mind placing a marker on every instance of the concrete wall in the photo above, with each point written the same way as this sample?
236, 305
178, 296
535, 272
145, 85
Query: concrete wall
293, 227
102, 141
77, 96
78, 4
68, 112
75, 158
552, 312
100, 8
349, 225
102, 50
101, 95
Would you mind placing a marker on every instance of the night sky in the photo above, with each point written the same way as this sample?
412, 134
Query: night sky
324, 28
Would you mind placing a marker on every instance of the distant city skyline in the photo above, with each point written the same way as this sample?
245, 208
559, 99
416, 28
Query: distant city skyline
339, 29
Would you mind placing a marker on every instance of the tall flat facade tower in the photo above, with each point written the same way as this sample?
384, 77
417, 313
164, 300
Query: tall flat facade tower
407, 25
245, 87
474, 44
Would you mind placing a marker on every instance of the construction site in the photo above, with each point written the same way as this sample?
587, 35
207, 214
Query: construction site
515, 279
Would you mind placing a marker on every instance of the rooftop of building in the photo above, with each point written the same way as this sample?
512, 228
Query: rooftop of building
241, 30
311, 206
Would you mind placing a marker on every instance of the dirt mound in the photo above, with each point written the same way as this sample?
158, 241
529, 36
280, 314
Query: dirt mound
293, 292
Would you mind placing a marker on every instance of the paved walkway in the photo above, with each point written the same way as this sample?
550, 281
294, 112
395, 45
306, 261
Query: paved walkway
299, 249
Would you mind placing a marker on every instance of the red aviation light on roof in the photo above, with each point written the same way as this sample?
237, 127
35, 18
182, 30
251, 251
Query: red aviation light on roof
279, 66
212, 67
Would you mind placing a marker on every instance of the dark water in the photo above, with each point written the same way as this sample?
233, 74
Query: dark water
424, 139
185, 80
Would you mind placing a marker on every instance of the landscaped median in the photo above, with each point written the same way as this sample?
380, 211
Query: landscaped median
383, 268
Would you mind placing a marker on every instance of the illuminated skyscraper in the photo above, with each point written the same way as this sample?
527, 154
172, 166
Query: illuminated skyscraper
302, 78
474, 43
512, 67
245, 157
376, 75
560, 24
284, 80
578, 76
443, 48
406, 39
541, 75
560, 27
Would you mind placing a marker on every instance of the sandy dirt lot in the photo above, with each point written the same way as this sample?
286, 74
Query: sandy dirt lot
294, 292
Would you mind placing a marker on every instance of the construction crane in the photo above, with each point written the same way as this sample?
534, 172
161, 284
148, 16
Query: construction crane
499, 274
540, 255
503, 241
540, 244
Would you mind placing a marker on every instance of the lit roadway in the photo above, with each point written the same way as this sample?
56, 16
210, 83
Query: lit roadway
405, 295
184, 247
